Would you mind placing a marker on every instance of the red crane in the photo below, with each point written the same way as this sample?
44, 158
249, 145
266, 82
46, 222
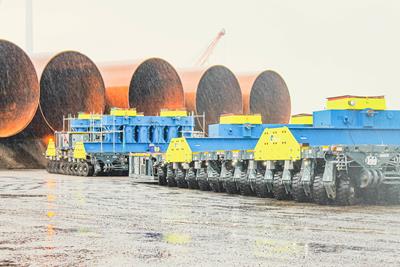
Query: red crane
204, 57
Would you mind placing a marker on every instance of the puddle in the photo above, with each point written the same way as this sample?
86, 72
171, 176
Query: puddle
19, 195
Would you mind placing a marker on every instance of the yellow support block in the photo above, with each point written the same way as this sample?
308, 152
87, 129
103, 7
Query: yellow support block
88, 116
123, 112
179, 151
277, 144
173, 113
79, 151
240, 119
51, 149
301, 119
356, 102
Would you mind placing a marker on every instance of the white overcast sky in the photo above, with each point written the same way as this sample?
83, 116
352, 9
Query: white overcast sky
321, 48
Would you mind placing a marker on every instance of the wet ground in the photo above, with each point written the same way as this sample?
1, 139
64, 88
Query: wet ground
48, 219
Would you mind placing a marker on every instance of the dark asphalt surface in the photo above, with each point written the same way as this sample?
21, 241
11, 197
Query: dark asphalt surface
55, 220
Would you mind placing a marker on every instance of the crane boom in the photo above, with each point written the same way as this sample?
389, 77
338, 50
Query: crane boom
204, 57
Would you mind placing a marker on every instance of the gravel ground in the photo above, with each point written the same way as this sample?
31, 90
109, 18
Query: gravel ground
48, 219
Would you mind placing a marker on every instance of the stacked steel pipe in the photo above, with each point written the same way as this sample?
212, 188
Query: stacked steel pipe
150, 86
70, 83
270, 97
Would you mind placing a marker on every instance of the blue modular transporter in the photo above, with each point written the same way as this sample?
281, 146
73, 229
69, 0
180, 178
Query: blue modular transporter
99, 144
235, 134
346, 154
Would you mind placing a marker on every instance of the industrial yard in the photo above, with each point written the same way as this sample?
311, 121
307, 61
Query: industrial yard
63, 220
199, 133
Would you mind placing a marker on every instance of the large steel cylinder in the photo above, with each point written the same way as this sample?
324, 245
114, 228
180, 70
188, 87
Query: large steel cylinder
218, 93
246, 81
270, 97
190, 80
70, 83
19, 89
117, 77
155, 85
149, 86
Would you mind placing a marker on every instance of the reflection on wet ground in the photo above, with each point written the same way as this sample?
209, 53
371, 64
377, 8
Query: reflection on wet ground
48, 219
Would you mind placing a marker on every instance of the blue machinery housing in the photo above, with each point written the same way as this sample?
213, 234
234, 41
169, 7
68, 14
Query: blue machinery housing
100, 144
345, 154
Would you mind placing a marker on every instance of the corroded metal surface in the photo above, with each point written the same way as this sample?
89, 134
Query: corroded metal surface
246, 81
70, 83
218, 93
155, 85
117, 76
19, 89
270, 97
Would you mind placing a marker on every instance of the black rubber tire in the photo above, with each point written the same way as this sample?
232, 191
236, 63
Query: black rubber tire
298, 189
390, 194
65, 168
171, 182
48, 166
229, 184
61, 168
278, 188
79, 170
70, 168
56, 166
345, 193
204, 185
216, 186
191, 179
162, 175
230, 187
75, 170
180, 178
202, 180
245, 188
369, 195
260, 187
318, 191
91, 170
192, 184
85, 169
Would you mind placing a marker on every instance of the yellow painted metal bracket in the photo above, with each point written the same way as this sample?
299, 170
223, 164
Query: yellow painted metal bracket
240, 119
123, 112
79, 151
356, 102
88, 116
277, 144
51, 149
173, 113
178, 151
301, 119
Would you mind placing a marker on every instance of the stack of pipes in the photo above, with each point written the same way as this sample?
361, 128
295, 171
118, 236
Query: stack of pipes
31, 109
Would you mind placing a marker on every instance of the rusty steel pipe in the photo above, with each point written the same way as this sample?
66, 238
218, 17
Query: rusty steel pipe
155, 85
19, 89
246, 81
117, 77
218, 93
270, 97
70, 83
148, 86
190, 80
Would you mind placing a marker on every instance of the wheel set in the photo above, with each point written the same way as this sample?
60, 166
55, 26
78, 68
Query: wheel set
70, 168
